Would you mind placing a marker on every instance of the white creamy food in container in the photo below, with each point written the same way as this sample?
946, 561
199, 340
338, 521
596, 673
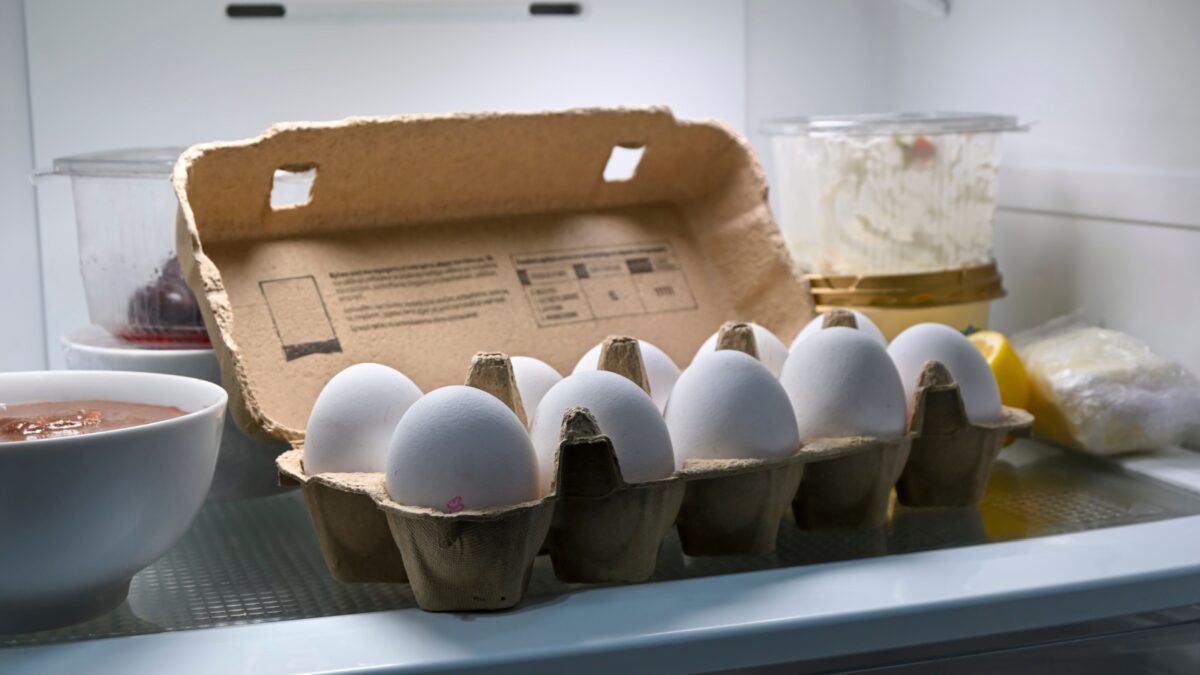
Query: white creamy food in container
899, 193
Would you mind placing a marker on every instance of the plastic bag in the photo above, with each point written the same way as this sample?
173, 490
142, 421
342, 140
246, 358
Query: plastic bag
1105, 391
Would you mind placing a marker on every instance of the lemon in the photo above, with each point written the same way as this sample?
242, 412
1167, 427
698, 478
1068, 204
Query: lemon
1006, 366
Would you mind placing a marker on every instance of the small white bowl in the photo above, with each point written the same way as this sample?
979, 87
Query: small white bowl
80, 515
93, 348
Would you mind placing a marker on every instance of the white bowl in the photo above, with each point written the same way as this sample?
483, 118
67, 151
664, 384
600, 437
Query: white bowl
80, 515
93, 348
245, 467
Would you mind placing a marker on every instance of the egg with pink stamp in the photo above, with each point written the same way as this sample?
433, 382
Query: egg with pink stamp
460, 448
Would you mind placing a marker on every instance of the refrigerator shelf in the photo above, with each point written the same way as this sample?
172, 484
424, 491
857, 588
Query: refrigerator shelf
257, 561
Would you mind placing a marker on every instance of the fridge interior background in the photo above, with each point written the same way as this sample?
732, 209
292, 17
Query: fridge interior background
1099, 203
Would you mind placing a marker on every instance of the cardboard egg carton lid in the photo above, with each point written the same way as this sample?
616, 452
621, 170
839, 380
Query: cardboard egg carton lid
426, 239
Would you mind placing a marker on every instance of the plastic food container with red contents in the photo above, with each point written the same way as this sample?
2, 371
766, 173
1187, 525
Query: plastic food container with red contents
125, 212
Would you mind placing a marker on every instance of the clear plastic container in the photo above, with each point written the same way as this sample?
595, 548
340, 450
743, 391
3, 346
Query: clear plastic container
901, 193
125, 211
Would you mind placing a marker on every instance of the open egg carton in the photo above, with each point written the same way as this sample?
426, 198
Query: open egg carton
423, 237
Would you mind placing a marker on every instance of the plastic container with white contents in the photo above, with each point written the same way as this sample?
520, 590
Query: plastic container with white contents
888, 194
125, 212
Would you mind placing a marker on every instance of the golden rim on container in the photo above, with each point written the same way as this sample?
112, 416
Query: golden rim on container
930, 289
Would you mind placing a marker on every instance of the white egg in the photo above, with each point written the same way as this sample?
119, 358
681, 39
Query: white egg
771, 350
865, 324
353, 419
727, 405
660, 370
534, 378
625, 414
841, 384
934, 341
460, 448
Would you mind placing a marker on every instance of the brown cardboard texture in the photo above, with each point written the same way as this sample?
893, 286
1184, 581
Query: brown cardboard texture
839, 317
470, 560
854, 488
476, 559
352, 531
428, 238
951, 458
622, 354
492, 372
735, 506
605, 529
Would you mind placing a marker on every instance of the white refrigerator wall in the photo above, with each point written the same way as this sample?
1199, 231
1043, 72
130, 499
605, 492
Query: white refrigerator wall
22, 344
1100, 201
1103, 196
177, 73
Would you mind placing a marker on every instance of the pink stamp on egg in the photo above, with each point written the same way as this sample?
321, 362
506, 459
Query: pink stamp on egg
455, 505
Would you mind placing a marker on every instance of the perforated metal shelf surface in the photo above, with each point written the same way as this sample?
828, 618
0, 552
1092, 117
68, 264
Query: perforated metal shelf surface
257, 560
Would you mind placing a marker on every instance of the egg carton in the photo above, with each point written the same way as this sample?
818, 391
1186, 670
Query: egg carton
951, 456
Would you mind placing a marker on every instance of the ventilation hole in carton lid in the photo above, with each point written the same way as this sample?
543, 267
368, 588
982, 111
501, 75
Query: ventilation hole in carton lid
292, 187
623, 162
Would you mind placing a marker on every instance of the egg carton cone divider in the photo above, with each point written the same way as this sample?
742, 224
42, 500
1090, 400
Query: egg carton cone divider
352, 532
839, 317
734, 506
492, 372
622, 355
604, 528
951, 457
477, 559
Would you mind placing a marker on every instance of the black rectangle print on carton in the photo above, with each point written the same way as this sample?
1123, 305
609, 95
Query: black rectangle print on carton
300, 317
